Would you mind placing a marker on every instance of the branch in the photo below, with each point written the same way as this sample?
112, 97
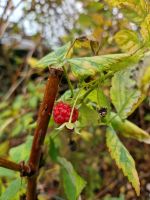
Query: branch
7, 7
5, 22
40, 131
21, 167
9, 165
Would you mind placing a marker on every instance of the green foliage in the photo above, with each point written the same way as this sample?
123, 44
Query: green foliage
22, 151
122, 157
88, 116
94, 181
101, 77
129, 129
56, 58
102, 99
7, 173
123, 93
11, 193
53, 150
73, 184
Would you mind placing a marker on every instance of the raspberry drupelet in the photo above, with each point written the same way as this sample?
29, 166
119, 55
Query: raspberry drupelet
62, 112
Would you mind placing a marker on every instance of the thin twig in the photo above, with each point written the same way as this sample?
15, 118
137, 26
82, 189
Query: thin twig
68, 80
5, 22
22, 168
112, 184
7, 7
9, 165
40, 131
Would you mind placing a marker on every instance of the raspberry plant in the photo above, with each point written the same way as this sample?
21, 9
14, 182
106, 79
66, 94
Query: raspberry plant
105, 96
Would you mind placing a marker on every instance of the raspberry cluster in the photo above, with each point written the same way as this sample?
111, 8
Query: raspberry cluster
62, 112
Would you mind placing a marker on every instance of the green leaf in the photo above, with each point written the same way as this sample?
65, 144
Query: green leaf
94, 6
88, 116
123, 158
102, 99
87, 66
85, 20
145, 30
129, 130
123, 93
56, 58
128, 40
97, 96
72, 182
53, 150
134, 10
92, 96
12, 190
22, 151
7, 173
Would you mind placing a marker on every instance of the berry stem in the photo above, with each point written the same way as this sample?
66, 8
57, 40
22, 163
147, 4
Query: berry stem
70, 119
95, 84
68, 80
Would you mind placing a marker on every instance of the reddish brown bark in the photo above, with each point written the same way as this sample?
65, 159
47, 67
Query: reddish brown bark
23, 169
40, 131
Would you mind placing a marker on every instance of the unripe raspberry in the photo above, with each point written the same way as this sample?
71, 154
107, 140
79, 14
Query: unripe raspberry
62, 112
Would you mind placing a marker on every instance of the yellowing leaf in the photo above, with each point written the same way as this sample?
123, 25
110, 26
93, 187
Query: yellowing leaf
98, 19
33, 62
97, 33
4, 147
86, 136
123, 158
134, 10
137, 104
145, 30
123, 94
146, 77
145, 81
128, 40
128, 129
86, 66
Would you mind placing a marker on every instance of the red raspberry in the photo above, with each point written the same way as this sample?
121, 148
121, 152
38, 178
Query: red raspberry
62, 112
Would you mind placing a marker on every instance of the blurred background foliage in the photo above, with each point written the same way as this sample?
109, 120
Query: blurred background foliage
32, 29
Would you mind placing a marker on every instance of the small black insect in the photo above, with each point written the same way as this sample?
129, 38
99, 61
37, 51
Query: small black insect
73, 145
103, 112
